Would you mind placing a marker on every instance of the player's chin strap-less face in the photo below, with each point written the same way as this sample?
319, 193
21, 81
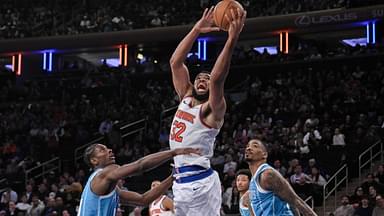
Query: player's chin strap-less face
201, 97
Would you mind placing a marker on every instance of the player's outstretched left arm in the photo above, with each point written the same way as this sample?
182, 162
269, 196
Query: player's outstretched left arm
221, 68
131, 197
272, 180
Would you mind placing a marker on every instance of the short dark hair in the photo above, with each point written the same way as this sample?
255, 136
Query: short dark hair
203, 72
263, 146
245, 172
88, 153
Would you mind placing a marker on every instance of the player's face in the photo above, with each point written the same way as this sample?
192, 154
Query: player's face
201, 83
155, 184
103, 155
255, 151
242, 183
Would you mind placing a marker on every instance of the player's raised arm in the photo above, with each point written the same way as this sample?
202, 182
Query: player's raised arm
146, 198
272, 180
221, 68
147, 163
180, 73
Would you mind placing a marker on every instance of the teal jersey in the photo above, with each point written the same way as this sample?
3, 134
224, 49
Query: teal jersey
92, 204
244, 211
264, 202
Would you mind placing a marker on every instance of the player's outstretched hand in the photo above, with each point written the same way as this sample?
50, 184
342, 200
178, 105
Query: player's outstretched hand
183, 151
205, 24
236, 21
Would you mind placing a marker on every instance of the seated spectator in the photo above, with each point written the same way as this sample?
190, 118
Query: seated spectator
282, 170
370, 181
345, 209
372, 195
23, 205
231, 199
300, 182
379, 208
356, 198
37, 207
317, 181
379, 175
364, 208
12, 210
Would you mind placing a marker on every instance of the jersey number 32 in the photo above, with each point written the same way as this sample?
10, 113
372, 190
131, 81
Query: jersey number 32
177, 130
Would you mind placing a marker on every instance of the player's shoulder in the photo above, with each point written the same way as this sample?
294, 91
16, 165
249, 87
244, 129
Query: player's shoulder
108, 169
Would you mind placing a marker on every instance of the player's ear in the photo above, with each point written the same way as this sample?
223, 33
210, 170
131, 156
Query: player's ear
265, 155
94, 161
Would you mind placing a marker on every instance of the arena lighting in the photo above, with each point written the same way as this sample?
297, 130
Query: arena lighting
374, 32
368, 36
121, 55
13, 63
201, 49
355, 41
44, 61
50, 62
204, 50
9, 66
111, 62
125, 55
18, 73
272, 50
284, 42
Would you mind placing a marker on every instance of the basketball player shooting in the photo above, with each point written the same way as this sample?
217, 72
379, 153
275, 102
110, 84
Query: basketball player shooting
269, 192
199, 117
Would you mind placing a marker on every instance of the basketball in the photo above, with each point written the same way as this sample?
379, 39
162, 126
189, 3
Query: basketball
221, 9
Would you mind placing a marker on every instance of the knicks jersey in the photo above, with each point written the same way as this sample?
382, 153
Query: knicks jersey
244, 211
156, 208
92, 204
188, 130
263, 202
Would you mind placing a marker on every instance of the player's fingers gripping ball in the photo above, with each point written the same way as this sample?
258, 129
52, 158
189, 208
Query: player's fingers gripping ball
223, 9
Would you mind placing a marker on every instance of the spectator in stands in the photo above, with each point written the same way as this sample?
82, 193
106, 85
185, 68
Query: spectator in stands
345, 209
338, 144
12, 210
372, 195
37, 207
317, 181
356, 198
364, 208
300, 182
282, 170
369, 181
9, 195
231, 198
379, 175
379, 208
23, 205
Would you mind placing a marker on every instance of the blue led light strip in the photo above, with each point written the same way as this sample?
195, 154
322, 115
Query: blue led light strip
50, 62
45, 61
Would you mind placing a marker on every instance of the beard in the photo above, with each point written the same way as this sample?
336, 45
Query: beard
198, 97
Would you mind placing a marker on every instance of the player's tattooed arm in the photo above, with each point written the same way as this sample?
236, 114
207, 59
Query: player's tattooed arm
273, 181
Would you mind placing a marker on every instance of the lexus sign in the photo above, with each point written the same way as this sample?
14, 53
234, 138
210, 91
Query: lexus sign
308, 20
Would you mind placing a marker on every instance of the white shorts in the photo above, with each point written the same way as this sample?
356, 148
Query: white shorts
198, 198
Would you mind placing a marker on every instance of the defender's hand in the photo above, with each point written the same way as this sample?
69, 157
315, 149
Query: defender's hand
183, 151
205, 24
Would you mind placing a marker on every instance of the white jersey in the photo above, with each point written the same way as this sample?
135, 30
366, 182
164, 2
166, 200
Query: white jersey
156, 208
189, 130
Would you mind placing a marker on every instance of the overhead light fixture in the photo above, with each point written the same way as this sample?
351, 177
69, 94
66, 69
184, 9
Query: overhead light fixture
271, 50
355, 41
